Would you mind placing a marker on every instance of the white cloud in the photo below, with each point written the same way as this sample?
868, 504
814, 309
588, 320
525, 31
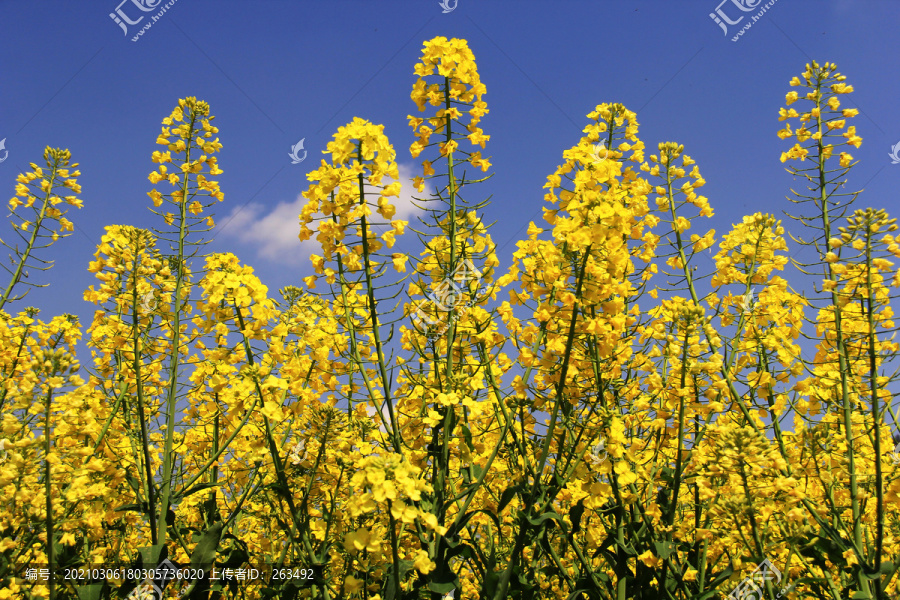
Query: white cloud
274, 232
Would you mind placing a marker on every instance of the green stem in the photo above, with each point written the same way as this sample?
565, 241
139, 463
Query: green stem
876, 411
373, 312
175, 354
34, 235
395, 555
551, 428
51, 559
145, 440
841, 348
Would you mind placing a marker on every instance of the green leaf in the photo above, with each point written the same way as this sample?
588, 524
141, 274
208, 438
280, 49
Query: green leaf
575, 514
870, 574
458, 526
544, 517
204, 554
133, 482
715, 583
461, 549
507, 496
584, 586
442, 588
886, 568
132, 507
722, 577
92, 591
468, 435
235, 552
153, 555
197, 488
663, 549
405, 567
491, 580
210, 510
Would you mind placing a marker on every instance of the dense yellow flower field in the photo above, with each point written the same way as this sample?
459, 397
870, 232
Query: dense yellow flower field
602, 421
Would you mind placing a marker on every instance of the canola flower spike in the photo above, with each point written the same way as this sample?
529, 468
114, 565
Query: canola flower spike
824, 119
186, 131
459, 87
359, 149
43, 191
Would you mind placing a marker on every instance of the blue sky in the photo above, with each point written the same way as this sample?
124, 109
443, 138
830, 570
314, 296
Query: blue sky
277, 72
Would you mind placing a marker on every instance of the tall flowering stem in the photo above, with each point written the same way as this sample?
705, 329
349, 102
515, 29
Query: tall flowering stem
340, 201
39, 190
187, 135
824, 137
342, 207
453, 331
